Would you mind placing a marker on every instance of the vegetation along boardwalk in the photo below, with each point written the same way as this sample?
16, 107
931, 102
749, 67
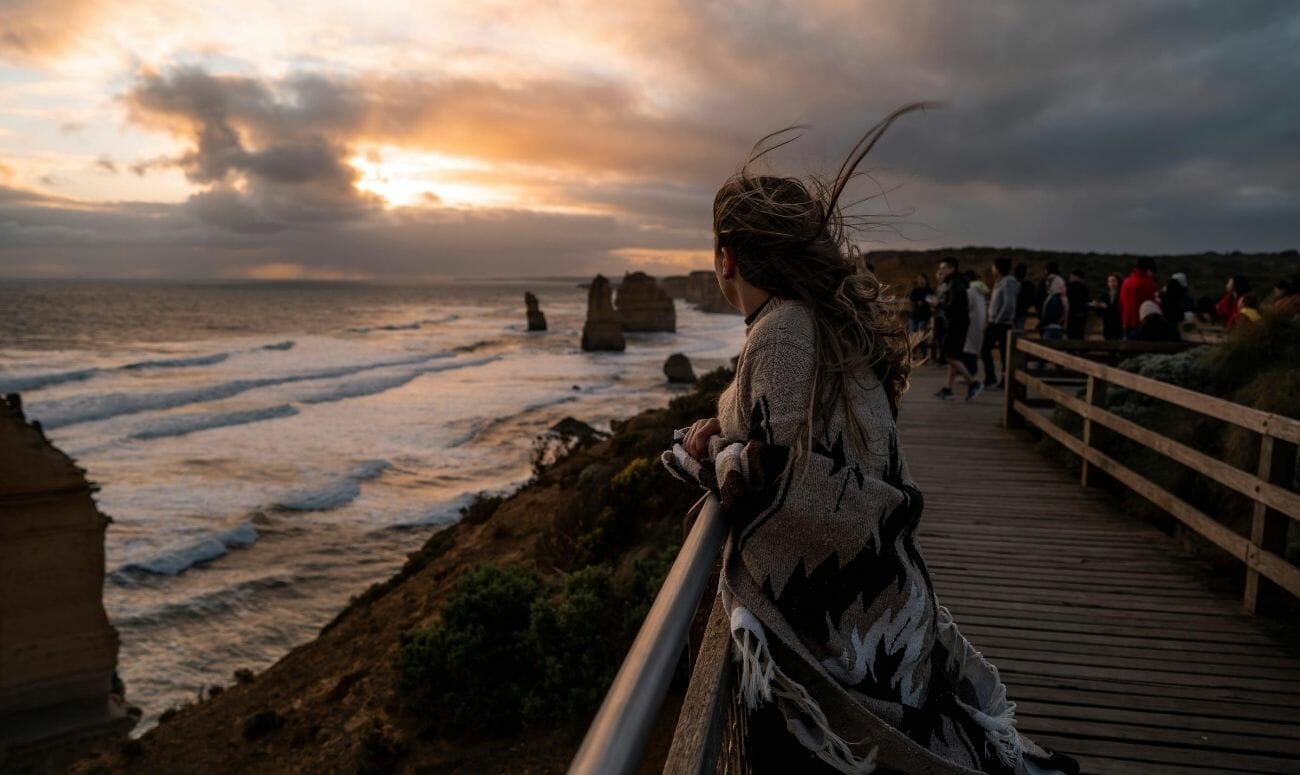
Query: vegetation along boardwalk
1107, 634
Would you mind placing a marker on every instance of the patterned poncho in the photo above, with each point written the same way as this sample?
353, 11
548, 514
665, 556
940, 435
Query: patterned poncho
833, 615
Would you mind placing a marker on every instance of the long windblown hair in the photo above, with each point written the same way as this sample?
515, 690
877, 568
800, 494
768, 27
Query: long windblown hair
791, 239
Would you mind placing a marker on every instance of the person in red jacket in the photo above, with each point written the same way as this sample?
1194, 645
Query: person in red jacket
1139, 286
1230, 302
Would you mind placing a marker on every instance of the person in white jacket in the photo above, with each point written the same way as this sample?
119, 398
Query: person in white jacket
978, 311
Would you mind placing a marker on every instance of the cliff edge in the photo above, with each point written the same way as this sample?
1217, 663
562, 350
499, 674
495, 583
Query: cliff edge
599, 511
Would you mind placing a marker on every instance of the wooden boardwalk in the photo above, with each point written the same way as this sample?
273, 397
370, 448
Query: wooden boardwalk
1107, 636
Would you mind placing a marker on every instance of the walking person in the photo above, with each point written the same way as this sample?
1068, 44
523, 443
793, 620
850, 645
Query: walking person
1002, 316
804, 456
953, 308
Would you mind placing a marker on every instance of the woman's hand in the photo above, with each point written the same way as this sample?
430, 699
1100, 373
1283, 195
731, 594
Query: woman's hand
696, 443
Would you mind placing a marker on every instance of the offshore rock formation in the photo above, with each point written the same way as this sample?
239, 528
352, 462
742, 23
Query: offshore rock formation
678, 368
675, 286
536, 319
603, 329
702, 290
644, 306
58, 651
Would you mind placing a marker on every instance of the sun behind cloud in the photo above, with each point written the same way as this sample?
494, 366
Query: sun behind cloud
410, 178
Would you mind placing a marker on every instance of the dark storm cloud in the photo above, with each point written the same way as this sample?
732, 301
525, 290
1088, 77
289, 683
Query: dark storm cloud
1135, 126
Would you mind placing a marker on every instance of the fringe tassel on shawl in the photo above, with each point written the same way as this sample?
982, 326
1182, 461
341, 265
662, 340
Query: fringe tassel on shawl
761, 681
996, 714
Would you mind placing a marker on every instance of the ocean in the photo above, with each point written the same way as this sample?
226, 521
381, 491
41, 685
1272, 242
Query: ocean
269, 450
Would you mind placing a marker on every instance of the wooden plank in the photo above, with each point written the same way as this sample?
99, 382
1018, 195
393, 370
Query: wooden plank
1187, 739
1110, 696
1160, 756
1268, 734
1268, 423
1208, 528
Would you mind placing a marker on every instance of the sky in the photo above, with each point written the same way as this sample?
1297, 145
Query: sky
407, 141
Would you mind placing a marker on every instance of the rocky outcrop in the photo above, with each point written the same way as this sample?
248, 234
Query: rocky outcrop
643, 305
675, 286
58, 651
678, 369
536, 318
702, 290
603, 329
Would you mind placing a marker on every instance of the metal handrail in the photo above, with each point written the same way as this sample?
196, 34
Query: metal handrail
617, 736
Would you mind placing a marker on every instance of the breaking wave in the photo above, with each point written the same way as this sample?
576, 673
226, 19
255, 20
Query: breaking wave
38, 381
202, 421
178, 363
90, 408
337, 493
179, 560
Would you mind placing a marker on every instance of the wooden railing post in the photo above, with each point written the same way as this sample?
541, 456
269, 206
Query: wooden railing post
1014, 390
1095, 396
1268, 528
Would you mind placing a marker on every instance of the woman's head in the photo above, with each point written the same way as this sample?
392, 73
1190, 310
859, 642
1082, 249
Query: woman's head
789, 237
922, 280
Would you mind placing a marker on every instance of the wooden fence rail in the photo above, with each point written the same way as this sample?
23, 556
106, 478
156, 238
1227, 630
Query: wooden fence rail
1271, 487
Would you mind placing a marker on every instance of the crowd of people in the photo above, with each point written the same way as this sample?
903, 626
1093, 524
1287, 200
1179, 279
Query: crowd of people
962, 319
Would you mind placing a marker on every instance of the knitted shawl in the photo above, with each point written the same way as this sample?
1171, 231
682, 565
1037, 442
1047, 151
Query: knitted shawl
833, 615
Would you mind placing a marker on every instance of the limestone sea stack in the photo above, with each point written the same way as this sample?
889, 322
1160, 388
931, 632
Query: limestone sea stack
643, 305
702, 290
536, 318
674, 286
678, 369
58, 652
603, 329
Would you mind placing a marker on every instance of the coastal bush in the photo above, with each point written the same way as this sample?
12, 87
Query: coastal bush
377, 752
473, 669
507, 653
579, 638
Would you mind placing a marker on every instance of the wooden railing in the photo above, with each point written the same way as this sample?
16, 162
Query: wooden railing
1271, 487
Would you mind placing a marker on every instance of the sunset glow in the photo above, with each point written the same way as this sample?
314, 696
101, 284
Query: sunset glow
307, 134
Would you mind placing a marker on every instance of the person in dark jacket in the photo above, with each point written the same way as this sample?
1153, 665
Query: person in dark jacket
953, 307
1076, 292
1025, 299
1154, 326
1107, 307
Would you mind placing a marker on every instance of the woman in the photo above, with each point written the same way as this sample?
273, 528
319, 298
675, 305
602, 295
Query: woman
918, 323
846, 656
1112, 327
1051, 324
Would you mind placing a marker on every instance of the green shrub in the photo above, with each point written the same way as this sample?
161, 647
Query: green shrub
377, 753
505, 654
581, 641
473, 669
